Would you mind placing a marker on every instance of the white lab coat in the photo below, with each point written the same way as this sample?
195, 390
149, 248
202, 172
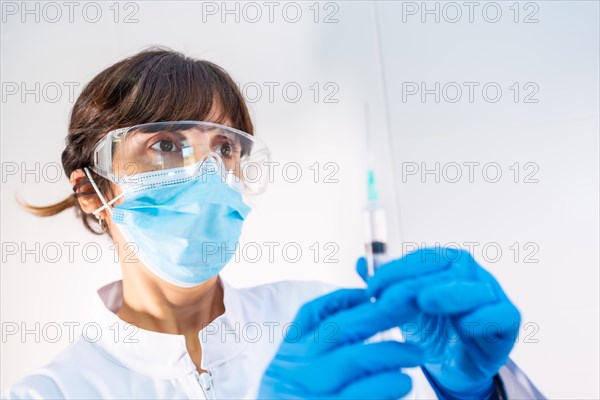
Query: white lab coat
124, 362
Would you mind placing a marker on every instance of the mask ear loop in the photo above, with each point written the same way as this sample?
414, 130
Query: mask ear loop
106, 205
110, 203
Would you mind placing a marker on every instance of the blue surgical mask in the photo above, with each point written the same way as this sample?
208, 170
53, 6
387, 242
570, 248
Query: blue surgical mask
185, 232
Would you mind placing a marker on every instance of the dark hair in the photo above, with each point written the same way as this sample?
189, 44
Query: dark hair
157, 84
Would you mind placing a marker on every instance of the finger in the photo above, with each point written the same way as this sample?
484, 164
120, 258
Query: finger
362, 269
337, 369
386, 385
455, 297
346, 327
493, 328
410, 266
493, 320
485, 276
311, 313
399, 301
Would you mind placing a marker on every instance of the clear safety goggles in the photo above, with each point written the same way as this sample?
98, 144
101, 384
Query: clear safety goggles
127, 154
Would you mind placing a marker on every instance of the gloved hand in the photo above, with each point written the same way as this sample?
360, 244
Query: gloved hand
456, 311
323, 354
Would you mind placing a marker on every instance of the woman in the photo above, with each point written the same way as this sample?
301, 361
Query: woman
160, 155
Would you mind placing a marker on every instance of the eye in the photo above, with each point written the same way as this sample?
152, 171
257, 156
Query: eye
165, 146
225, 150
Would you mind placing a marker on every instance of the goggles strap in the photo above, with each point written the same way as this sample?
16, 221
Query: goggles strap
102, 199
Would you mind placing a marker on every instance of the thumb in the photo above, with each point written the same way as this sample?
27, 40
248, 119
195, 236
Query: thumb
361, 268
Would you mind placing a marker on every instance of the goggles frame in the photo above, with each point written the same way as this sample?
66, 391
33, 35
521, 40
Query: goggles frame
102, 153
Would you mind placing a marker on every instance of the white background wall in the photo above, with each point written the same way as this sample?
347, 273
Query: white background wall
558, 135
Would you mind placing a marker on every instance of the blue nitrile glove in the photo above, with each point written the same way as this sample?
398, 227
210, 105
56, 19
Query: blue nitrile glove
456, 311
323, 354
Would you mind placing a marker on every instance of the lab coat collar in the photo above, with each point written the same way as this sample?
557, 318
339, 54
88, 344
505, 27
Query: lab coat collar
164, 355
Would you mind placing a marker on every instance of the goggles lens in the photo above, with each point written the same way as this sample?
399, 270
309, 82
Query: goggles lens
160, 146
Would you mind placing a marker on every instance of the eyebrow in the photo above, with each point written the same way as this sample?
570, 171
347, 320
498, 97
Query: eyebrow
178, 135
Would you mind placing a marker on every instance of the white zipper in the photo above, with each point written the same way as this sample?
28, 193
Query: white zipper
206, 383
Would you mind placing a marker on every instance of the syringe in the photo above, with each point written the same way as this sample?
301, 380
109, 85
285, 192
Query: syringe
376, 246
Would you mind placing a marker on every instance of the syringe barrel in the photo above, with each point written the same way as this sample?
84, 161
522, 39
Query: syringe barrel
375, 223
376, 246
